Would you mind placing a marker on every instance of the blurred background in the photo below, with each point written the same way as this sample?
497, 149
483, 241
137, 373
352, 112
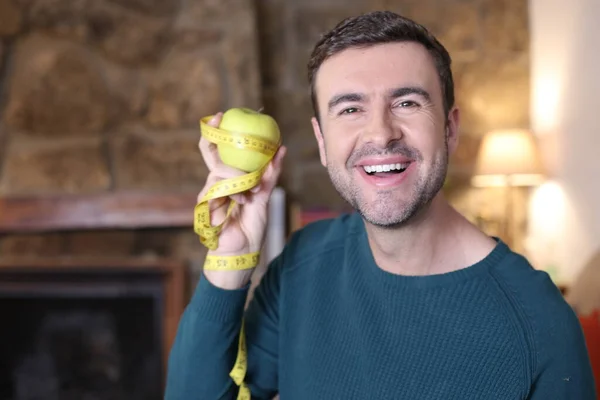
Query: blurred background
99, 166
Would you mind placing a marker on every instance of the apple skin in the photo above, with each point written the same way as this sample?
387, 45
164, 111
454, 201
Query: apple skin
251, 122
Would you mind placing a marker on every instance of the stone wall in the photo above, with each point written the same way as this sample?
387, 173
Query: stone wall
105, 95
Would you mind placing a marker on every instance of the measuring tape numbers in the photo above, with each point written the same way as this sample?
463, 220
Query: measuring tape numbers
209, 234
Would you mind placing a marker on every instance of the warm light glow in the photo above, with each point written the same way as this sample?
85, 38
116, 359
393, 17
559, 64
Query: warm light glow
547, 208
508, 157
546, 227
546, 93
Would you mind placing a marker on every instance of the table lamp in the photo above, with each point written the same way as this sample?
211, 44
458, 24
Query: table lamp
508, 158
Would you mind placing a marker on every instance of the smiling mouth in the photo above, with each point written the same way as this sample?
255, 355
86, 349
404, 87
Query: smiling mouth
385, 169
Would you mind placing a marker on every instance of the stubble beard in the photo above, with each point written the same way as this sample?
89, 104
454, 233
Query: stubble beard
387, 211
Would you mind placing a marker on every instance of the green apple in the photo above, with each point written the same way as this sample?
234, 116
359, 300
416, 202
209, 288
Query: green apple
249, 122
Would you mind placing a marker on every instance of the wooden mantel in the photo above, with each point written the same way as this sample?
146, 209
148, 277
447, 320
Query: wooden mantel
115, 210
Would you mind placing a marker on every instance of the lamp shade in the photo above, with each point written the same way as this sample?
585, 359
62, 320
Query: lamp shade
508, 157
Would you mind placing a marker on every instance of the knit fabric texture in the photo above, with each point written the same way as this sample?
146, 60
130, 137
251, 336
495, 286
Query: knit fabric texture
327, 323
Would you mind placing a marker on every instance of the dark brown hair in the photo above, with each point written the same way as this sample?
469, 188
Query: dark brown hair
380, 27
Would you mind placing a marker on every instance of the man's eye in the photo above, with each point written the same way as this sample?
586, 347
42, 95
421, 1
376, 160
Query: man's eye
408, 104
349, 110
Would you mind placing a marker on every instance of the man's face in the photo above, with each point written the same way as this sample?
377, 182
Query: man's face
384, 136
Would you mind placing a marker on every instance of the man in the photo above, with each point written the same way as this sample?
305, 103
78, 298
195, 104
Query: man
404, 299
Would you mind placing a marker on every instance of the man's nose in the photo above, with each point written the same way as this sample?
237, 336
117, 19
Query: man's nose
380, 130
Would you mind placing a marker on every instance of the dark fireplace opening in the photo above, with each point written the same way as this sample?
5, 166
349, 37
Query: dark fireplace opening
81, 336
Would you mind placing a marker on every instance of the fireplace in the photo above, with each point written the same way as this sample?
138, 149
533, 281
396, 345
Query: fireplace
86, 329
80, 327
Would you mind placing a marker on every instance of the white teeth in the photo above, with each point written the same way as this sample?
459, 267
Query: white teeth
384, 167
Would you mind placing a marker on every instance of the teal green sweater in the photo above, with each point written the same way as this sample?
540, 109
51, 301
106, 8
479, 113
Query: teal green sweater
327, 323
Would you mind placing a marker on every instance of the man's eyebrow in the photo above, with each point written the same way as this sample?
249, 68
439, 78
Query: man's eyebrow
404, 91
342, 98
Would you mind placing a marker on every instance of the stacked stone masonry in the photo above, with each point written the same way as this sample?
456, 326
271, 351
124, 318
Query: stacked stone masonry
105, 95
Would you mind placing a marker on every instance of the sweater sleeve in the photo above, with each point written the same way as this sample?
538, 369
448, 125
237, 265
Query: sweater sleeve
563, 370
205, 347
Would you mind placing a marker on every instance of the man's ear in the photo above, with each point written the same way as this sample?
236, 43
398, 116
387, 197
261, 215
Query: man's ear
452, 126
320, 141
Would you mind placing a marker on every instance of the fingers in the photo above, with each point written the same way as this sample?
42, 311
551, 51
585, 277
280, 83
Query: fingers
219, 173
208, 149
272, 172
218, 210
256, 188
239, 198
218, 207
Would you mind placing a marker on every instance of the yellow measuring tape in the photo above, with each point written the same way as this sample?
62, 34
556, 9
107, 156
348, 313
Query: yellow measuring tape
209, 234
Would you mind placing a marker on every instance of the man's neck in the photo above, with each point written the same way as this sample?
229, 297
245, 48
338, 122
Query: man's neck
438, 240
